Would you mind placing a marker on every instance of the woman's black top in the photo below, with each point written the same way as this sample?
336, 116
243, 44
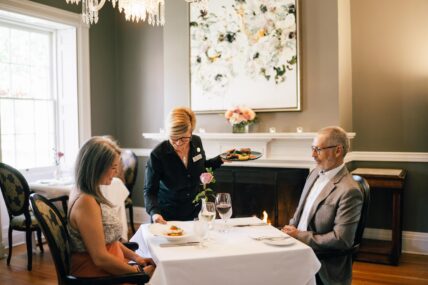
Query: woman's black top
169, 186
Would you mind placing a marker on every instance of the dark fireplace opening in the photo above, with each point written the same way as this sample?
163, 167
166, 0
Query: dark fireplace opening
256, 189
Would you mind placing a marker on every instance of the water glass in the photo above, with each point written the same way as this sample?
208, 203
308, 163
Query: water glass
208, 213
200, 230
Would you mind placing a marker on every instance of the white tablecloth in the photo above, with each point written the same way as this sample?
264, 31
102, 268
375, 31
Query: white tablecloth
229, 258
116, 193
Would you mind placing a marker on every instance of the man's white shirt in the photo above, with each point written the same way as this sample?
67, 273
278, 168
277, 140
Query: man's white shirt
319, 184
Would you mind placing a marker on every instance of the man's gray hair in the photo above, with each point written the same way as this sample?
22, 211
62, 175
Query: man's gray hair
336, 136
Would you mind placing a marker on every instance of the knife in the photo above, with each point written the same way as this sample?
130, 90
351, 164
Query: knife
251, 225
190, 243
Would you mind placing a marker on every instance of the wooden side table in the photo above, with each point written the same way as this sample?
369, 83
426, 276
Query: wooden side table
392, 180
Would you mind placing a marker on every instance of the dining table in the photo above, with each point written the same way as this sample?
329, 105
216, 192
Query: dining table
116, 193
249, 252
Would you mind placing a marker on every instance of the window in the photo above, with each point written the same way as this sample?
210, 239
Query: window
44, 89
28, 102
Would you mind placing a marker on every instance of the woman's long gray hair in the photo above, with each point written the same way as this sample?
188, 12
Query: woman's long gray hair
95, 157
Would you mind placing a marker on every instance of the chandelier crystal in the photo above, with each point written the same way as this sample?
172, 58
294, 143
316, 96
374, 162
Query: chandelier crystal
134, 10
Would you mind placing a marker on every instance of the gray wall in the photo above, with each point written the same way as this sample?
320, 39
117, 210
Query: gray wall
390, 75
139, 81
103, 73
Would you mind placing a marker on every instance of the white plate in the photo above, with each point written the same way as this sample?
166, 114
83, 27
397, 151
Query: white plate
162, 230
279, 242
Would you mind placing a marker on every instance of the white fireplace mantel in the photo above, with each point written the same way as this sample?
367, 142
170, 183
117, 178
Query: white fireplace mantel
278, 149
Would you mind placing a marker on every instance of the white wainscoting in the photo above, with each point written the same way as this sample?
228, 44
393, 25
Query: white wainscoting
387, 156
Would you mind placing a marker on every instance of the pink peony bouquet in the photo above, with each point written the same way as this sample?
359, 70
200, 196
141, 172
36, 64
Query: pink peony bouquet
206, 179
240, 116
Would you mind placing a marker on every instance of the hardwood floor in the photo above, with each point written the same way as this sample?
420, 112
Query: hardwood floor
413, 269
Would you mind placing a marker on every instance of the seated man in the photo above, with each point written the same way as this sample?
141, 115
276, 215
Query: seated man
330, 206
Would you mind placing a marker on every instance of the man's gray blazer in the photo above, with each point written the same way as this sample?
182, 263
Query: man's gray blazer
332, 222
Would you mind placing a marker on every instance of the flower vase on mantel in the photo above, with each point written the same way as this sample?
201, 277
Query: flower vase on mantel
240, 129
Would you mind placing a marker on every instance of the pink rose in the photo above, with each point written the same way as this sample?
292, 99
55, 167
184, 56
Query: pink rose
252, 114
228, 114
206, 178
60, 154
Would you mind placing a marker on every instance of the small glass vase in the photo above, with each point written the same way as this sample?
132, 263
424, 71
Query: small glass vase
240, 129
207, 213
57, 172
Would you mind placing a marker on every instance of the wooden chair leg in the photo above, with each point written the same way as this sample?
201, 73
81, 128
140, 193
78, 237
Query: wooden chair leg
29, 250
131, 218
39, 239
10, 246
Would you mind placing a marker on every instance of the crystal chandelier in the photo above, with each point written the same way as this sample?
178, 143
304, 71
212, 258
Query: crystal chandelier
135, 10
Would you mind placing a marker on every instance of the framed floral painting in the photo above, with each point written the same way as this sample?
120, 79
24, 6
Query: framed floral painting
246, 53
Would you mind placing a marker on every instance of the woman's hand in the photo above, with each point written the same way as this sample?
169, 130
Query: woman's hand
146, 264
144, 261
158, 219
149, 270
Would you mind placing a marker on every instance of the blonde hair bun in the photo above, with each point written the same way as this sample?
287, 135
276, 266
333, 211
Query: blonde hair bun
181, 120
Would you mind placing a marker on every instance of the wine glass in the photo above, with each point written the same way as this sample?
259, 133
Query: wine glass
208, 213
200, 229
223, 203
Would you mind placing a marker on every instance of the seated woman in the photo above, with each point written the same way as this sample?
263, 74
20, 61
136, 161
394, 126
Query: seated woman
93, 224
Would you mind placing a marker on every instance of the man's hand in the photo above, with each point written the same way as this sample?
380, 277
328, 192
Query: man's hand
290, 230
158, 219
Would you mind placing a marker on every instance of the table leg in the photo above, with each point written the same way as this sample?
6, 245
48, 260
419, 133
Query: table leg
396, 226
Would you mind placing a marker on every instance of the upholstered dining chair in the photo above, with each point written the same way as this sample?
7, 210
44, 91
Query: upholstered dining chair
129, 176
54, 229
365, 189
16, 193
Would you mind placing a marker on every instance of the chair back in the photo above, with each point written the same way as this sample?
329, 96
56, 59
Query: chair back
55, 232
365, 189
130, 168
15, 191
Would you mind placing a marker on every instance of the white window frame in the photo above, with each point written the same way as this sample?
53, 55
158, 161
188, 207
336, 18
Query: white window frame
33, 9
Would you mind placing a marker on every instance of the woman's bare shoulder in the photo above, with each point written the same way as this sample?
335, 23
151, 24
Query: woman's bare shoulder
86, 202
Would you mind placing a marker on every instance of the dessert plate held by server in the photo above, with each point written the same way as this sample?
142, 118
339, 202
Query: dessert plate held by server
242, 154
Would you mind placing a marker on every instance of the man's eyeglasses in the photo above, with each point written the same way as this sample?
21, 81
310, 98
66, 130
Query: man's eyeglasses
181, 140
319, 149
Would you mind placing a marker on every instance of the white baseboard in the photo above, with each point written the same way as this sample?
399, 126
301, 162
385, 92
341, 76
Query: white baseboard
413, 242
